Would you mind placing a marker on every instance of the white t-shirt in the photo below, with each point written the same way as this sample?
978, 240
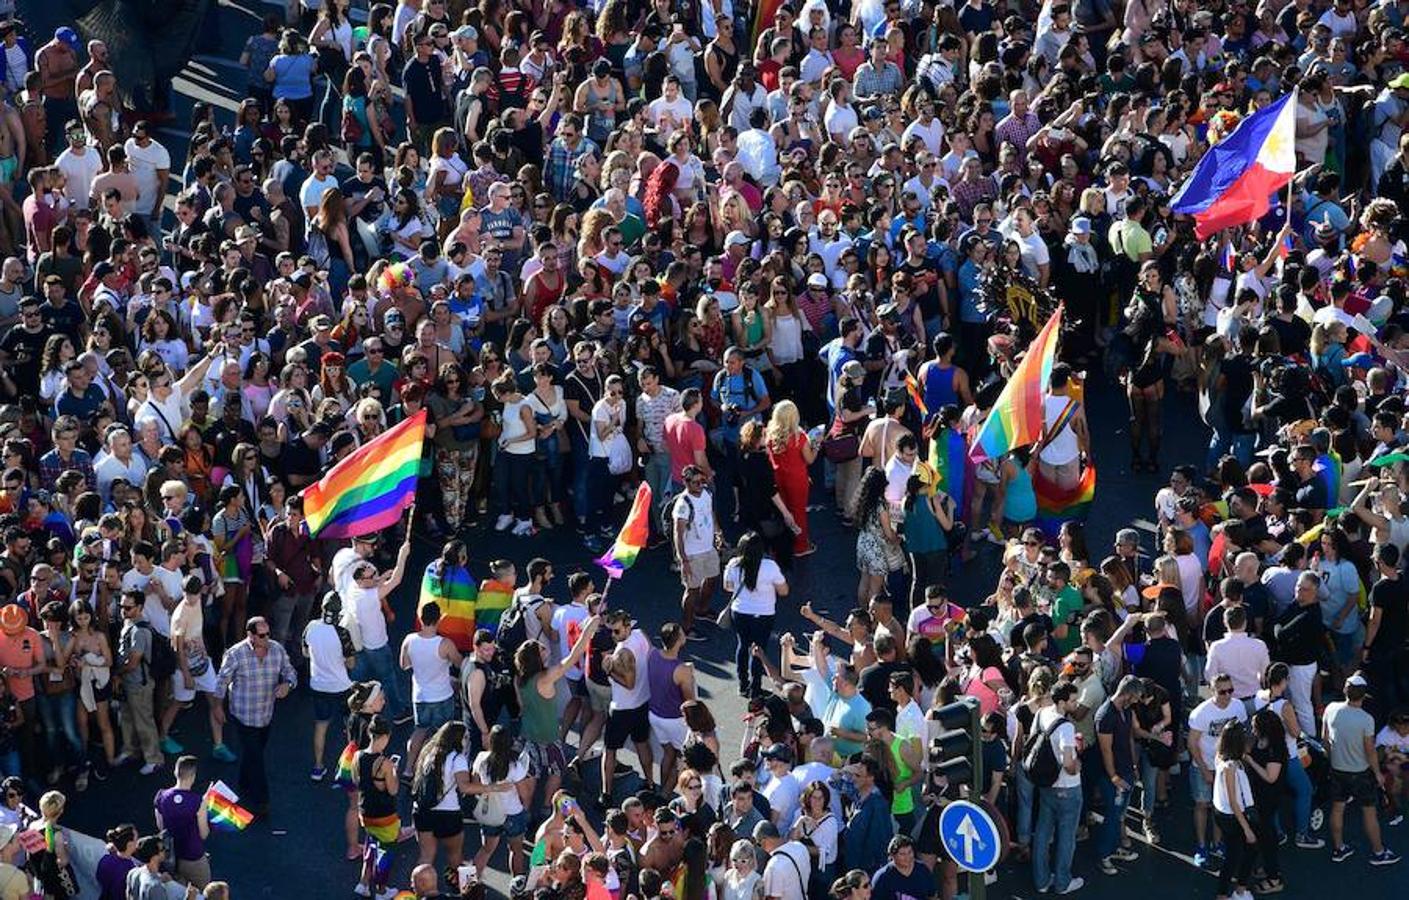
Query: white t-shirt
367, 606
450, 799
932, 135
681, 110
1209, 721
567, 622
786, 879
782, 795
153, 611
79, 171
327, 672
604, 413
311, 194
518, 771
1034, 252
1392, 740
698, 514
146, 162
168, 414
762, 598
1063, 737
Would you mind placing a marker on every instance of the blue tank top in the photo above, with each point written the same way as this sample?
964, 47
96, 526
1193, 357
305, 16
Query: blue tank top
666, 696
939, 387
1020, 502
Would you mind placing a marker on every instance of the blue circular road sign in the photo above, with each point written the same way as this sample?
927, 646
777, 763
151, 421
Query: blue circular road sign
971, 836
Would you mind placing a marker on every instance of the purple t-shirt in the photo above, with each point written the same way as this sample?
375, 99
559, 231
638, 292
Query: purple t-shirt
112, 876
178, 814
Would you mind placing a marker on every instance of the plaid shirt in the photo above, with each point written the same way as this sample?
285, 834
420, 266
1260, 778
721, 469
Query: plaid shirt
1016, 131
51, 466
561, 162
870, 82
252, 681
968, 193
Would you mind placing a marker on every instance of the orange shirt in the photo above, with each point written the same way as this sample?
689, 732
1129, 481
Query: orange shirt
21, 651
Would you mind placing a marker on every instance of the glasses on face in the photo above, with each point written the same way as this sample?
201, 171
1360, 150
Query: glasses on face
1224, 692
262, 635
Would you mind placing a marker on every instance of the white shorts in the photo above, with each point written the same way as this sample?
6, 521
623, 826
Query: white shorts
668, 732
205, 684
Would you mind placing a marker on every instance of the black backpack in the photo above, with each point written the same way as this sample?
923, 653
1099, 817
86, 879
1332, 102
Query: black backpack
1039, 761
162, 665
513, 628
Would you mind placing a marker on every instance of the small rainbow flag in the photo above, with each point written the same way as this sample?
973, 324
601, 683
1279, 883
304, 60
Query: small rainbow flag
453, 590
635, 531
1017, 416
494, 598
917, 396
367, 490
1055, 506
345, 777
224, 812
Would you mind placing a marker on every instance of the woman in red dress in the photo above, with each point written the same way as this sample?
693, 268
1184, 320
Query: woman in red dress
791, 452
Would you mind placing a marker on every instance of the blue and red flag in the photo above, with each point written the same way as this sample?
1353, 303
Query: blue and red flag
1232, 183
1230, 258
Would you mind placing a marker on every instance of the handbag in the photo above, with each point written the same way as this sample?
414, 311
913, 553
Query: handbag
490, 427
351, 128
842, 444
489, 811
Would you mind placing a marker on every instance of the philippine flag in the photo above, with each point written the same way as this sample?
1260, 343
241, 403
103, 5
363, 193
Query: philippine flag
1233, 181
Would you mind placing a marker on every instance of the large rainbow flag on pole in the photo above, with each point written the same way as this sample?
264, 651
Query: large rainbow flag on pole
368, 490
635, 531
1016, 418
454, 591
1234, 180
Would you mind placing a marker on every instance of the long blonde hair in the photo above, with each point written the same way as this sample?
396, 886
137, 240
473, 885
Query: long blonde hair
782, 425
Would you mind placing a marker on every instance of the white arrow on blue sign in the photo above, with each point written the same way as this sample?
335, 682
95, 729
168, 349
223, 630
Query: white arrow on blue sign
970, 835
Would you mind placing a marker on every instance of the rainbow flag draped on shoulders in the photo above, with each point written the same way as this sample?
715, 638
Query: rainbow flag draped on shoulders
1055, 506
368, 490
1017, 415
949, 455
1233, 181
494, 597
634, 534
452, 589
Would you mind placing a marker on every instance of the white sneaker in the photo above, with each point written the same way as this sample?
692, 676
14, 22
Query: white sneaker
504, 521
362, 890
1073, 886
148, 769
523, 528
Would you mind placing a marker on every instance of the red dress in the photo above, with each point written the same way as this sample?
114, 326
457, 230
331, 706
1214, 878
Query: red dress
790, 474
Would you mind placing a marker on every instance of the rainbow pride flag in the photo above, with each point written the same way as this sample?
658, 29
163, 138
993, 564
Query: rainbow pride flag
223, 810
367, 490
494, 598
345, 777
1016, 418
1055, 506
917, 396
454, 591
635, 531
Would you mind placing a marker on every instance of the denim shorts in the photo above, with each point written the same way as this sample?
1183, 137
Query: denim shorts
515, 826
431, 716
1201, 789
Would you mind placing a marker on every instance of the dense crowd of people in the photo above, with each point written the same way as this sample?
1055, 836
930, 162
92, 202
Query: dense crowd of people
778, 264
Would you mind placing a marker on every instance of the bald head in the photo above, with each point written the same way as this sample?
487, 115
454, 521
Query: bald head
424, 881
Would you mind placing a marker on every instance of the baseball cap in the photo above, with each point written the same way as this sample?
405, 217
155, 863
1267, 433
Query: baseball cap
779, 752
320, 323
466, 32
817, 280
1081, 225
736, 237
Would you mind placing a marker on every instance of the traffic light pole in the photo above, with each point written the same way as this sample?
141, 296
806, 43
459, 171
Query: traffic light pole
978, 881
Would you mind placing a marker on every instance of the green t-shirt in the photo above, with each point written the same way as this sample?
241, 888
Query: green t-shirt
1068, 601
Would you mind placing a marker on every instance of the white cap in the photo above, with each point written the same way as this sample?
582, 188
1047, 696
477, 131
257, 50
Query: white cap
817, 280
736, 237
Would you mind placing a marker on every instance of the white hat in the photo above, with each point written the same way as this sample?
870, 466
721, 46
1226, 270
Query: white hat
817, 280
736, 237
1081, 225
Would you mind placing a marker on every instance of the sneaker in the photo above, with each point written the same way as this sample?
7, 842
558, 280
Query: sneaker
387, 894
1201, 856
1124, 854
362, 890
1073, 886
1396, 819
318, 773
1108, 866
100, 772
1151, 833
1385, 857
223, 753
148, 769
170, 746
1045, 888
503, 522
123, 759
1218, 850
523, 528
1318, 818
1309, 842
1342, 853
80, 783
404, 719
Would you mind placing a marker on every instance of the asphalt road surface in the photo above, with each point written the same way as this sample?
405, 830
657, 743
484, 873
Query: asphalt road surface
298, 852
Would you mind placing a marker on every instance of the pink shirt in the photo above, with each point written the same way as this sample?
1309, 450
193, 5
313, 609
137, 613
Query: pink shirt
683, 438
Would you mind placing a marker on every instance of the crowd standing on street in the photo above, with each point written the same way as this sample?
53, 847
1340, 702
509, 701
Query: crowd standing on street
776, 264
